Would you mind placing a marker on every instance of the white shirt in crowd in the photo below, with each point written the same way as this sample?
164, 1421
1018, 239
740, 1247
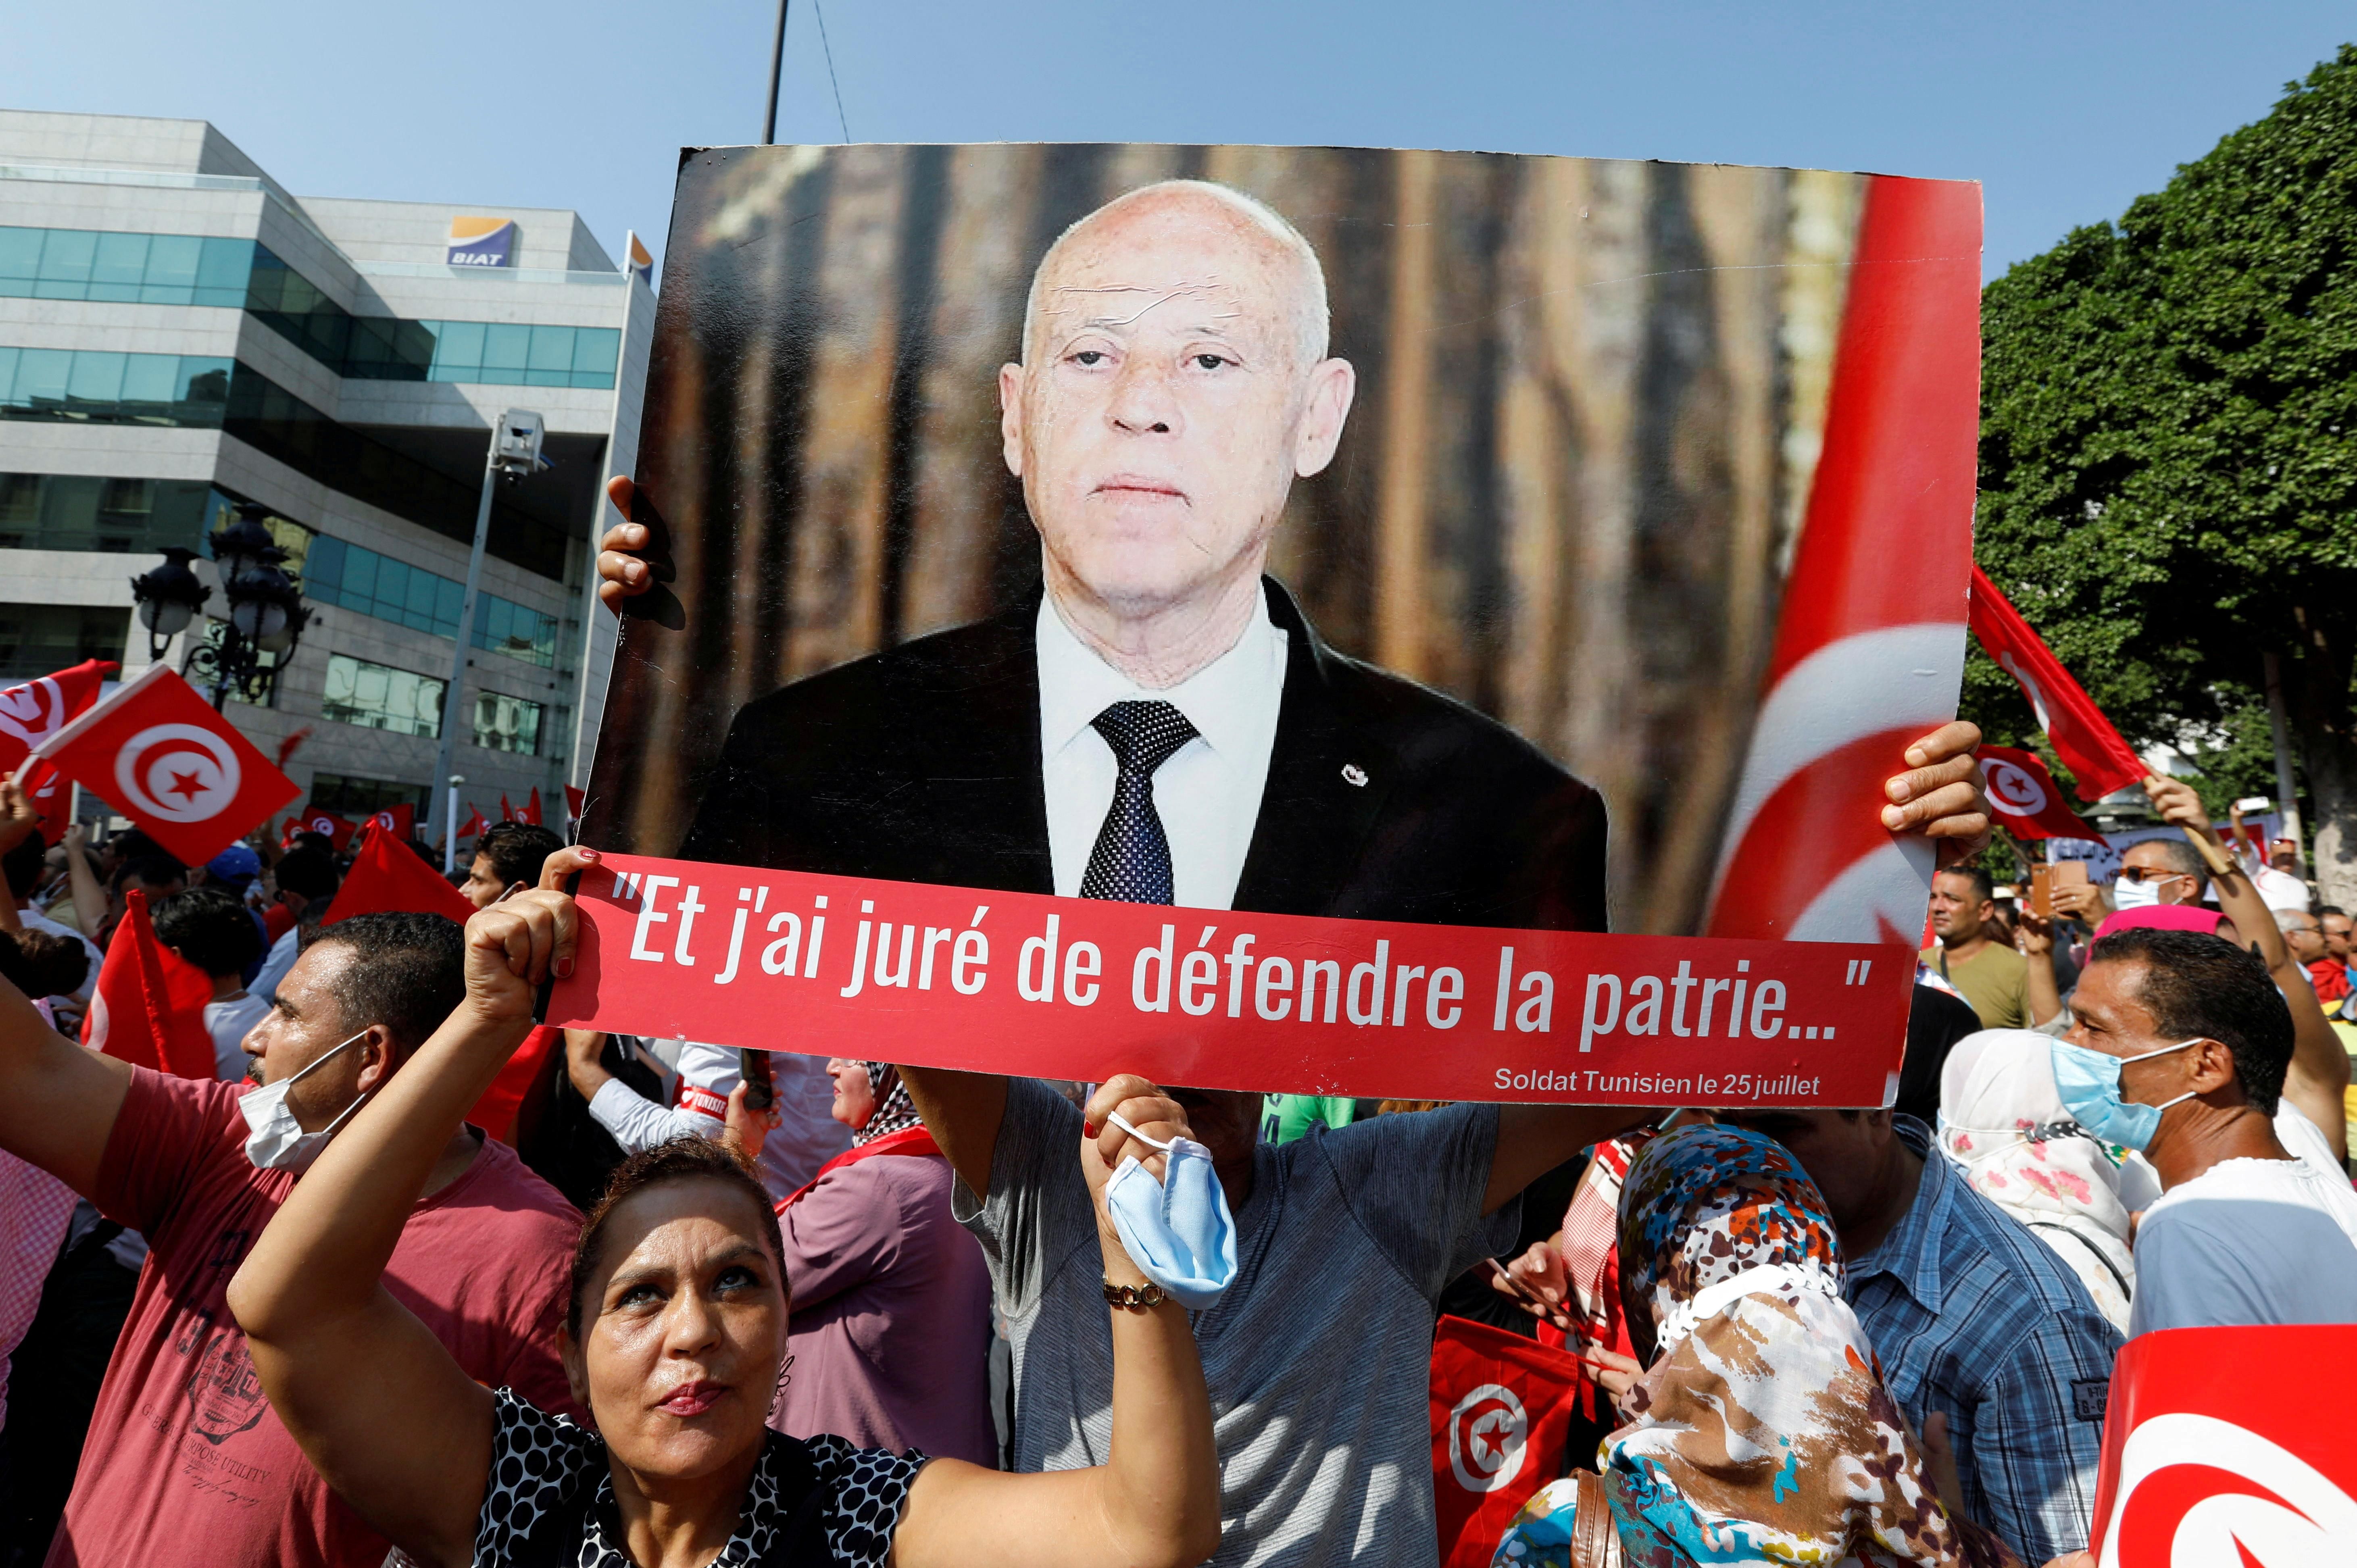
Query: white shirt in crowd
2252, 1242
228, 1020
1208, 794
805, 1138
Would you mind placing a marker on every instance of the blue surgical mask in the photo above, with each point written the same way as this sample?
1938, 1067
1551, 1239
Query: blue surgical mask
2089, 1083
1176, 1230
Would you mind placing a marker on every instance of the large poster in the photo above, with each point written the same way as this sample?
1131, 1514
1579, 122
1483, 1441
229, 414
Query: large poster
1298, 600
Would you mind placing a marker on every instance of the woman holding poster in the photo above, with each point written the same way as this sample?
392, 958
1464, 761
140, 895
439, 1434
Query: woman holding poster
674, 1342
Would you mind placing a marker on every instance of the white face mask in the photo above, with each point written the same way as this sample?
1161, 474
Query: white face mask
276, 1141
2127, 895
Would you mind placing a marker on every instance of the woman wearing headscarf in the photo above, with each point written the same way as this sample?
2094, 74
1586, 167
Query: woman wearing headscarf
891, 1328
2003, 1125
1761, 1429
674, 1340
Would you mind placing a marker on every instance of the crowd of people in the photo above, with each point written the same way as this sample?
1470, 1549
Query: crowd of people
312, 1310
407, 1278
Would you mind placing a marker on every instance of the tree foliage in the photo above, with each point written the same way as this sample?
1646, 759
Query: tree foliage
2169, 452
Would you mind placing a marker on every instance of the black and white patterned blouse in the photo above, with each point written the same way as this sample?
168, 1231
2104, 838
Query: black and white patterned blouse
539, 1462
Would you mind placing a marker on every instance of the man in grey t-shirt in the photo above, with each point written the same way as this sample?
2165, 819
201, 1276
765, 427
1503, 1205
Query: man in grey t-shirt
1317, 1356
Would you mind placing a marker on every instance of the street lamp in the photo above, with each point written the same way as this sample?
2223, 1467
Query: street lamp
169, 597
266, 613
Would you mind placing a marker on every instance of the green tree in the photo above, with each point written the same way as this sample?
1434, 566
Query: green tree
2169, 457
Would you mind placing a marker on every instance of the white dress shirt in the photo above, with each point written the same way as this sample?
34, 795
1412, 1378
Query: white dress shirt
1207, 794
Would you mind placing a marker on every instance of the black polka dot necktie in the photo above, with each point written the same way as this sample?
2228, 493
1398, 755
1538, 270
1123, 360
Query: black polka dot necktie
1132, 858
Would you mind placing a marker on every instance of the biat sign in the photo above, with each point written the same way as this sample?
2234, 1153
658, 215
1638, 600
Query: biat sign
481, 242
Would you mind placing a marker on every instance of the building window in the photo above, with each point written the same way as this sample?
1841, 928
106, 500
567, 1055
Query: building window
69, 511
377, 696
354, 799
274, 421
502, 626
126, 269
89, 386
361, 579
491, 353
40, 640
507, 724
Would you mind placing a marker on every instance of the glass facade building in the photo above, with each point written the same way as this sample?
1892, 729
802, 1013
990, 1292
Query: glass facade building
95, 387
377, 696
363, 580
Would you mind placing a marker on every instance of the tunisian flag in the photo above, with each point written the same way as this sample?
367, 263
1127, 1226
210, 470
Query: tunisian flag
400, 820
148, 1006
474, 825
2196, 1470
388, 877
2084, 739
161, 754
1500, 1416
31, 714
1869, 647
2028, 802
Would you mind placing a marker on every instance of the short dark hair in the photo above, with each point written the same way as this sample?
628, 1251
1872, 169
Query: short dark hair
42, 963
1983, 885
688, 1158
2198, 986
23, 866
212, 929
517, 851
308, 871
155, 870
310, 838
2324, 910
406, 973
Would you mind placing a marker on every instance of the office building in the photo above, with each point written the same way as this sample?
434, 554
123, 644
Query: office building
178, 333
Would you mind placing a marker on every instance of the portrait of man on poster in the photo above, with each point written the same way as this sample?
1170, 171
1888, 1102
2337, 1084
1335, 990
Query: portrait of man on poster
1157, 721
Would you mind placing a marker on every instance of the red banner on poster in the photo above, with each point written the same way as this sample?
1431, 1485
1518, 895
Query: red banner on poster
1079, 988
1500, 1416
2196, 1470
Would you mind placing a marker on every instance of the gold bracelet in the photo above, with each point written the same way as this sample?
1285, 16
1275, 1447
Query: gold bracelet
1145, 1295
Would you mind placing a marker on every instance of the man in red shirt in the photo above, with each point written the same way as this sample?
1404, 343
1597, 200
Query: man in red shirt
186, 1462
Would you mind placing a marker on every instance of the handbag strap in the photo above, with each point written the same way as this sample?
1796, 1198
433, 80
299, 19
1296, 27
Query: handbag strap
1594, 1540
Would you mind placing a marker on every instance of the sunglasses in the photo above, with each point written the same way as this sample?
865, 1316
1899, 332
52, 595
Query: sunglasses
2140, 874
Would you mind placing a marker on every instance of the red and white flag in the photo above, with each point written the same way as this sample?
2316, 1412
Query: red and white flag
507, 812
31, 714
148, 1005
388, 877
2028, 802
338, 831
1869, 648
160, 755
400, 820
2196, 1470
474, 825
531, 813
2084, 739
576, 802
1501, 1415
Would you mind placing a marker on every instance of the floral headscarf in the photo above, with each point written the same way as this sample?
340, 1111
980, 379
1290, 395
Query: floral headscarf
1706, 1205
894, 1113
1763, 1431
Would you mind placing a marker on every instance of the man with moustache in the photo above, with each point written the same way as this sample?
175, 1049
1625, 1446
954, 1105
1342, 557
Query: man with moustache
1162, 725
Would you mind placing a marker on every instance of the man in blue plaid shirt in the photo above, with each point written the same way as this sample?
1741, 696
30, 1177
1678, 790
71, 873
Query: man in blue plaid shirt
1971, 1316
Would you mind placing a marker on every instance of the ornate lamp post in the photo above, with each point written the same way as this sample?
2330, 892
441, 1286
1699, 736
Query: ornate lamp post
266, 613
168, 598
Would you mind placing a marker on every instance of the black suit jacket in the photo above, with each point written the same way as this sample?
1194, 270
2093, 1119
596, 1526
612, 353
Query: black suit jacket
921, 764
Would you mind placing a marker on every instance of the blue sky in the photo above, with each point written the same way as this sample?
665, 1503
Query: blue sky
2064, 111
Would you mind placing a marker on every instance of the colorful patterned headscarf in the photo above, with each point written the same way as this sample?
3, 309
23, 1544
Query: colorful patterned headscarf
1703, 1205
1763, 1431
894, 1113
